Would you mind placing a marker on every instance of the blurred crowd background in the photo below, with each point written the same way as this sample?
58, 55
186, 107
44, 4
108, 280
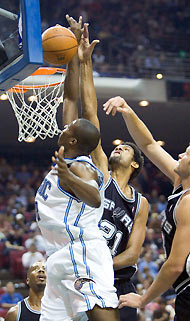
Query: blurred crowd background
137, 38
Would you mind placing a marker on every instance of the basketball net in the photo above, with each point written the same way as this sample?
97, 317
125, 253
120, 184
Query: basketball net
37, 117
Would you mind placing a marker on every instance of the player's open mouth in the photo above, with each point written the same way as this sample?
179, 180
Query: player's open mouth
42, 278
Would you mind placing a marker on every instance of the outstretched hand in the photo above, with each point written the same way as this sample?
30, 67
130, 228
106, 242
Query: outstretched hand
116, 104
61, 170
75, 27
85, 49
132, 300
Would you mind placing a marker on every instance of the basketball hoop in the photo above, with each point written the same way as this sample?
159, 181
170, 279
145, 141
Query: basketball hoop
37, 117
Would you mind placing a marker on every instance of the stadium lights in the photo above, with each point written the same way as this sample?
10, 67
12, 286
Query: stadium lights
4, 97
117, 142
30, 140
143, 103
32, 98
60, 99
159, 76
161, 142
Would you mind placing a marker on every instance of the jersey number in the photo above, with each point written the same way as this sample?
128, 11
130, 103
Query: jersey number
110, 232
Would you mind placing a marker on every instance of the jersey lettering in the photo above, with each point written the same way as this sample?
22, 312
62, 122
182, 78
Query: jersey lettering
37, 212
126, 220
43, 189
108, 204
167, 227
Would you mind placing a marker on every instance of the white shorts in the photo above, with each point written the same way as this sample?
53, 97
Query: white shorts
79, 276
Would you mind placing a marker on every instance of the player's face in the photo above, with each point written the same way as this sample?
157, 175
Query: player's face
37, 276
66, 134
183, 166
122, 154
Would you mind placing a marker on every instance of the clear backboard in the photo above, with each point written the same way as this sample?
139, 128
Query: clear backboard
20, 41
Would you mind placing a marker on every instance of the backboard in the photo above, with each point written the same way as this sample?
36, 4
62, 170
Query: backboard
20, 41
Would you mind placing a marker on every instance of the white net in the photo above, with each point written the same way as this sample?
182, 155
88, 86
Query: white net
36, 114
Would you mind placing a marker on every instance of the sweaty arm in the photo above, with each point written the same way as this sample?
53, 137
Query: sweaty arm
142, 136
12, 314
173, 266
89, 99
80, 179
134, 245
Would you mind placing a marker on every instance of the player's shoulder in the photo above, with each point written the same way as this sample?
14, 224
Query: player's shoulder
182, 209
12, 314
185, 199
144, 204
83, 168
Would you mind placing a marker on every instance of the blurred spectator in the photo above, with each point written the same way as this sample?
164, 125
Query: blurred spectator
14, 240
5, 226
35, 237
161, 204
147, 262
32, 256
161, 314
98, 58
10, 298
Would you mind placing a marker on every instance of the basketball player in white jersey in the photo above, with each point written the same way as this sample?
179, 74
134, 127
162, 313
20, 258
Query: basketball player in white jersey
125, 210
176, 223
29, 308
69, 206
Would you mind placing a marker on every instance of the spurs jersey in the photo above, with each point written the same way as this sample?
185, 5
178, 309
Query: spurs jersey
168, 231
117, 221
63, 218
26, 313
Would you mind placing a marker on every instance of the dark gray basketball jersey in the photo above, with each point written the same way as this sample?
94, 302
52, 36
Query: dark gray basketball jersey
26, 313
117, 221
168, 232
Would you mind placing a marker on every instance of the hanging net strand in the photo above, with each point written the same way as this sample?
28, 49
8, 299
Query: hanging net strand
37, 118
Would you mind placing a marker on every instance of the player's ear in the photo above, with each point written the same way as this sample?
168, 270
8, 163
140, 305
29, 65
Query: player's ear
73, 141
134, 164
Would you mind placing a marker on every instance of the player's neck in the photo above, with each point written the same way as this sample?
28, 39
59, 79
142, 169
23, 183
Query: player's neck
122, 180
185, 183
34, 300
70, 154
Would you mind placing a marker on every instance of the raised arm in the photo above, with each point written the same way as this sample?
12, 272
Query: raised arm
88, 96
143, 138
71, 83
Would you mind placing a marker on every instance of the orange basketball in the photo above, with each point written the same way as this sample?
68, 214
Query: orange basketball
59, 45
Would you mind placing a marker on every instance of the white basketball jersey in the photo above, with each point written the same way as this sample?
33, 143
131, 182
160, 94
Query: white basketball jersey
63, 218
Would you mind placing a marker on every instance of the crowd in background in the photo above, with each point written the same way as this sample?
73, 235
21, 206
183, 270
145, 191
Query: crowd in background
19, 232
137, 38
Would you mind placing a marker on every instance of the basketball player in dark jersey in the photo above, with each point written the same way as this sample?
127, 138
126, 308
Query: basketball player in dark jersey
125, 210
29, 308
176, 223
